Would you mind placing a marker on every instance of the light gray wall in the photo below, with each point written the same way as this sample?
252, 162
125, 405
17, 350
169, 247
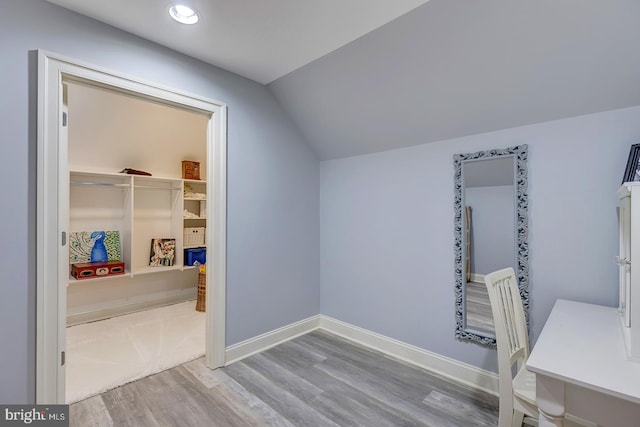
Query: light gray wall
386, 221
273, 242
492, 227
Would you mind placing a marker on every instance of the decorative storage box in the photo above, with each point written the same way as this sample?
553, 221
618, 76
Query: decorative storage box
194, 236
91, 270
195, 254
190, 169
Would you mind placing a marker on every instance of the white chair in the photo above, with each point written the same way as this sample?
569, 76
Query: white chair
517, 392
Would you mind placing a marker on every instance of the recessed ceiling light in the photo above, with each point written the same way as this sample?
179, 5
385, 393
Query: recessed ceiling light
183, 14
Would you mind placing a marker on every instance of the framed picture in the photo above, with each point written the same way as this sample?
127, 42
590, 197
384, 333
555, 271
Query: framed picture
163, 252
630, 172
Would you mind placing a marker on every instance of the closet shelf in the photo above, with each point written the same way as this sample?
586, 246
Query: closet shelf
137, 271
194, 246
74, 281
159, 269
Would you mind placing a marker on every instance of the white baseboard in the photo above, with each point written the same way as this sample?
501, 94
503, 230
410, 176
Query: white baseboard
452, 369
118, 308
476, 278
444, 366
267, 340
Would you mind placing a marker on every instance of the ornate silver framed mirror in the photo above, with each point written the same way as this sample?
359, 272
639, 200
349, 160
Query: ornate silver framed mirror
491, 228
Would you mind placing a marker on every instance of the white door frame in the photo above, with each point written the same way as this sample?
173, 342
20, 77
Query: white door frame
53, 205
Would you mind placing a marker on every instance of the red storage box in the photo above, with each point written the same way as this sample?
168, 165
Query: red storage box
91, 270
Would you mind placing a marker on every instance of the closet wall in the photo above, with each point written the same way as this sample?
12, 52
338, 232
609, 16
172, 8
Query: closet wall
107, 132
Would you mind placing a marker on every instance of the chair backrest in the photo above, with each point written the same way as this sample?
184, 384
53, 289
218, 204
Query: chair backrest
509, 321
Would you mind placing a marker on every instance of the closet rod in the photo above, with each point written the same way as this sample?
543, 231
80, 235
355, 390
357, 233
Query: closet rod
110, 184
99, 184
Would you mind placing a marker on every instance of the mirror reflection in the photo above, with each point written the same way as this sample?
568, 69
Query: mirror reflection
491, 206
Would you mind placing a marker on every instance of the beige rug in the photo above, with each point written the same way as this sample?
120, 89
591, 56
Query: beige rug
109, 353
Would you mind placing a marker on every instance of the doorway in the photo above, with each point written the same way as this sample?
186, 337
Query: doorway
53, 196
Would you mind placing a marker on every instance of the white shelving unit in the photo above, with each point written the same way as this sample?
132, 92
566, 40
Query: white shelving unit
141, 208
194, 215
102, 201
157, 207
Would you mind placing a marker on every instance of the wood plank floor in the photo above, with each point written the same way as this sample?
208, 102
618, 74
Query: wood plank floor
317, 379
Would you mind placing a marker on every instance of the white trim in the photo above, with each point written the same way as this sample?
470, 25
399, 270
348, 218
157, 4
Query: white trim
476, 278
47, 343
50, 223
216, 298
93, 74
103, 311
271, 339
451, 369
444, 366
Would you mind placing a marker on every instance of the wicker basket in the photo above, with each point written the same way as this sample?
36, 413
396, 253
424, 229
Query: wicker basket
202, 292
194, 236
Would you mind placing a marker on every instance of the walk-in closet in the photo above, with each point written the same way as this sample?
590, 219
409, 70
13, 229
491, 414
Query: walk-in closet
136, 239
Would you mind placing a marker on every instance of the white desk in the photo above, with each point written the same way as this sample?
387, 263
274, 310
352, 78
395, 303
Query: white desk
581, 368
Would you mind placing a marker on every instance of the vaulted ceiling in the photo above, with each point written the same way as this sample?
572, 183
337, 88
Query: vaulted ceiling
261, 40
364, 76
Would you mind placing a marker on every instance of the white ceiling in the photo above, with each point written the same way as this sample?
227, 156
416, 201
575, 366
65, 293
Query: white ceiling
261, 40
